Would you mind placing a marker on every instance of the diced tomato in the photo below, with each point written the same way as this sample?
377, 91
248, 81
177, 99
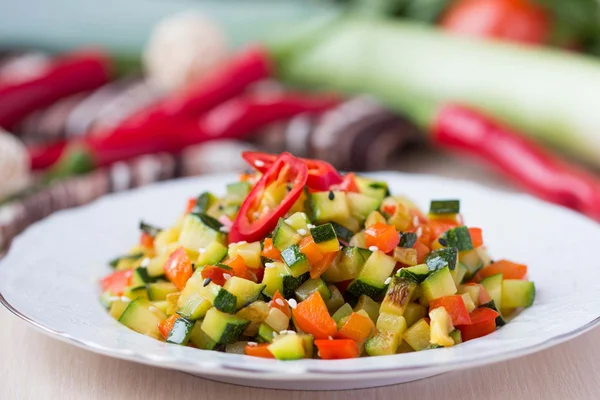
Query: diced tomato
309, 248
357, 327
215, 274
455, 306
483, 322
476, 237
285, 307
259, 350
337, 349
178, 268
270, 251
166, 325
190, 205
116, 282
508, 269
320, 267
146, 241
311, 316
422, 251
384, 236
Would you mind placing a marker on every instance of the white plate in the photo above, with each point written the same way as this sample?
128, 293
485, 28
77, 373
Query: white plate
49, 278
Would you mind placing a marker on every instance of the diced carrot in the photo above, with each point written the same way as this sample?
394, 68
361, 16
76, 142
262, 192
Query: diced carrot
312, 316
309, 248
476, 237
337, 349
455, 306
166, 325
285, 307
116, 282
178, 268
357, 327
508, 269
319, 268
270, 251
190, 205
422, 251
383, 236
259, 350
483, 322
146, 241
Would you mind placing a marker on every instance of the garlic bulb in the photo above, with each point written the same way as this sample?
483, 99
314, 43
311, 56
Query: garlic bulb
14, 165
182, 48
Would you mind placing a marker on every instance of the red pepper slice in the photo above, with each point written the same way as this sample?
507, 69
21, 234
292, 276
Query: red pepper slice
252, 223
321, 174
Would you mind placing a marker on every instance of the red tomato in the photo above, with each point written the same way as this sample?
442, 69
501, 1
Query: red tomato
515, 20
384, 236
116, 282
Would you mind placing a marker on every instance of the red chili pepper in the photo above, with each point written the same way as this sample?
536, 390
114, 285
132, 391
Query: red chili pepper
45, 155
67, 75
542, 173
321, 174
253, 222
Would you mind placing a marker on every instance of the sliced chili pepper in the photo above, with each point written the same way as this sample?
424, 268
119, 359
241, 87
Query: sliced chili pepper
116, 282
43, 156
254, 221
72, 73
321, 174
178, 268
337, 349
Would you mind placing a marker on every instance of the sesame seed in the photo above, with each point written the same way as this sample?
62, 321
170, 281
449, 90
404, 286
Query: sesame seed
288, 221
206, 282
145, 262
226, 276
443, 242
318, 354
287, 332
153, 309
269, 265
419, 232
388, 280
252, 344
310, 226
274, 334
242, 242
373, 248
125, 299
292, 303
280, 302
201, 250
415, 220
224, 229
331, 195
330, 338
301, 231
259, 163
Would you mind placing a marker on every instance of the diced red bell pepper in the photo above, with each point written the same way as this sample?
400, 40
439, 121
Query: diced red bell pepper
439, 226
239, 269
348, 184
337, 349
166, 325
357, 327
455, 306
270, 251
260, 350
285, 307
320, 267
253, 223
422, 251
383, 236
215, 274
309, 248
146, 241
483, 322
116, 282
508, 269
476, 237
178, 268
191, 204
312, 316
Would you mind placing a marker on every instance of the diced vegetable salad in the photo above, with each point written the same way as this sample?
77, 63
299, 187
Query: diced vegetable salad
299, 261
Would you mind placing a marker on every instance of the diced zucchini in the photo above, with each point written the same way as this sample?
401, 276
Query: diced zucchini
370, 306
336, 300
127, 261
155, 267
405, 256
376, 189
472, 261
444, 207
342, 312
361, 205
375, 218
288, 347
295, 260
223, 328
236, 348
493, 285
398, 295
517, 293
164, 240
279, 277
265, 333
413, 312
459, 237
343, 234
347, 266
134, 292
172, 300
439, 284
140, 318
439, 259
456, 336
162, 305
256, 313
181, 331
200, 339
199, 231
391, 322
473, 292
284, 235
382, 344
140, 277
440, 327
311, 286
117, 308
404, 347
468, 302
204, 202
401, 219
277, 320
308, 341
245, 291
106, 299
325, 238
418, 335
159, 290
149, 230
250, 252
372, 277
192, 303
499, 320
297, 221
237, 192
358, 240
458, 273
407, 239
330, 206
211, 254
418, 273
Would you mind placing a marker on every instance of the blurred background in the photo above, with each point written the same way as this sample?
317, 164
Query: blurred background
103, 96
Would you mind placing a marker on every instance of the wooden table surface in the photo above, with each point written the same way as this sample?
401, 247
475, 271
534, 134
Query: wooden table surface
34, 366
